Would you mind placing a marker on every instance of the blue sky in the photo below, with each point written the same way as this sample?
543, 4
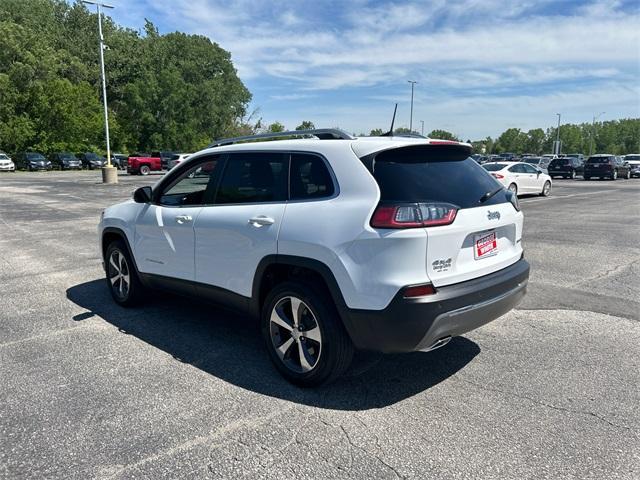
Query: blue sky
481, 65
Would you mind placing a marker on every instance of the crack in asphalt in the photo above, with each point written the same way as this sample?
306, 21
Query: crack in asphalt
607, 273
544, 404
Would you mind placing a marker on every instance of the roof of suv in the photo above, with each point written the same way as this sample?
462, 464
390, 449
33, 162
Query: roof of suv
362, 146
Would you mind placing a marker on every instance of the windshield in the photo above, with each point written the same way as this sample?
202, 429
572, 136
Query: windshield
531, 160
493, 167
3, 157
632, 157
67, 156
34, 156
92, 156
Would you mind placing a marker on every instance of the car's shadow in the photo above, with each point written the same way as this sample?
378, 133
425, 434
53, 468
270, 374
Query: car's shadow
229, 347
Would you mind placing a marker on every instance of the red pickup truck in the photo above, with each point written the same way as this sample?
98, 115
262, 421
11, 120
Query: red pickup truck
143, 164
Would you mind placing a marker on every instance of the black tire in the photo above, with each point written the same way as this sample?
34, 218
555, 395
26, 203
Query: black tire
628, 176
586, 177
135, 291
614, 175
144, 170
573, 175
514, 188
334, 352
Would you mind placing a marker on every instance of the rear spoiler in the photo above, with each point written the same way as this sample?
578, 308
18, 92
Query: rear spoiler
434, 151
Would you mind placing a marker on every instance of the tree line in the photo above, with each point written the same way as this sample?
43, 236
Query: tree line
618, 137
172, 91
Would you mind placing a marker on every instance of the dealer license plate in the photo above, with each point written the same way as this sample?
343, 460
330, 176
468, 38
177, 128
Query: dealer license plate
485, 245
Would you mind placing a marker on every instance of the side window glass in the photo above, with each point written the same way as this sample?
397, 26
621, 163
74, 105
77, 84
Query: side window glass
190, 187
529, 169
310, 177
254, 178
516, 169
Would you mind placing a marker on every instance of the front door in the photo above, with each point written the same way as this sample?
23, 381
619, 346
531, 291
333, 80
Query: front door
165, 240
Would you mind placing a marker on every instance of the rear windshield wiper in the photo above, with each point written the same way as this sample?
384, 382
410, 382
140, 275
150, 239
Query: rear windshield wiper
488, 195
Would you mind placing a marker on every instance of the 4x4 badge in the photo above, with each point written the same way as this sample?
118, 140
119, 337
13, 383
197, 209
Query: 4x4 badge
493, 215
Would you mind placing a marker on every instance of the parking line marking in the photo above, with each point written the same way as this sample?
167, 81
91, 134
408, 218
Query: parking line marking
526, 200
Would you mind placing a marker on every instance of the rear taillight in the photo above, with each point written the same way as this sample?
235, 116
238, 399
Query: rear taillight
498, 176
414, 215
418, 291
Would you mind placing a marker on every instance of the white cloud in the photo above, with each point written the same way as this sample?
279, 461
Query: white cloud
480, 56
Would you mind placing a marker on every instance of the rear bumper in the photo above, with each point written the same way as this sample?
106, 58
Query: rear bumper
419, 323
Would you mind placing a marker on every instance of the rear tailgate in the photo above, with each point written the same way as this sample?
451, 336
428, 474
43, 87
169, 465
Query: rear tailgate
421, 184
480, 241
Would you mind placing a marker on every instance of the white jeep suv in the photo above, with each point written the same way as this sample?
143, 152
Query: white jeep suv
335, 243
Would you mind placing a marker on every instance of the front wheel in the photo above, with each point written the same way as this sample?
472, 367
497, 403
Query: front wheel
122, 278
304, 335
144, 170
586, 177
546, 189
614, 175
628, 176
573, 175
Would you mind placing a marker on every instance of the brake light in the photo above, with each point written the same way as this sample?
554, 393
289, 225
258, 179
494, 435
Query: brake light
414, 215
498, 176
418, 291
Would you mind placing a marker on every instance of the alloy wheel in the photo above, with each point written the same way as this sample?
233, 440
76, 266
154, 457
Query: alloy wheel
513, 188
546, 189
295, 334
119, 275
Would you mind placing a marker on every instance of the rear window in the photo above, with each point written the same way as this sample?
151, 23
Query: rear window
558, 162
494, 167
533, 161
599, 160
632, 157
429, 174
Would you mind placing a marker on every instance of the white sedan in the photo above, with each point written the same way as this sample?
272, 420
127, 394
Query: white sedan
521, 178
6, 164
177, 159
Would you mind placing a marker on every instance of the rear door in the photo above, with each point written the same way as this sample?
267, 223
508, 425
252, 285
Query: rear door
241, 227
485, 235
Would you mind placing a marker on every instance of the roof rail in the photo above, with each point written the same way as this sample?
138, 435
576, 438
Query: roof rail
321, 133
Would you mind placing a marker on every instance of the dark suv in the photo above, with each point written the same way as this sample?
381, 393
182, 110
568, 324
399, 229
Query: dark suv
606, 166
92, 160
565, 167
31, 161
65, 161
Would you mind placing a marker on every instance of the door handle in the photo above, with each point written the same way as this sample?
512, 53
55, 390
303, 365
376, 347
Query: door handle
261, 220
183, 219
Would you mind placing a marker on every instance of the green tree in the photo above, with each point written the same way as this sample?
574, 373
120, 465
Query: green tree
376, 132
306, 125
443, 135
275, 127
171, 91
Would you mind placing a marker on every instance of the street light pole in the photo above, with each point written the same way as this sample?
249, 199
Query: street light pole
422, 122
109, 173
412, 82
558, 136
593, 131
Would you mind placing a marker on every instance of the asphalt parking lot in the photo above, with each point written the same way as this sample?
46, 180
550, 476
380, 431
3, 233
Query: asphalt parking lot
175, 389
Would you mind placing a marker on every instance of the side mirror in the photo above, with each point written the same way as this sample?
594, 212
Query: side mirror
142, 195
